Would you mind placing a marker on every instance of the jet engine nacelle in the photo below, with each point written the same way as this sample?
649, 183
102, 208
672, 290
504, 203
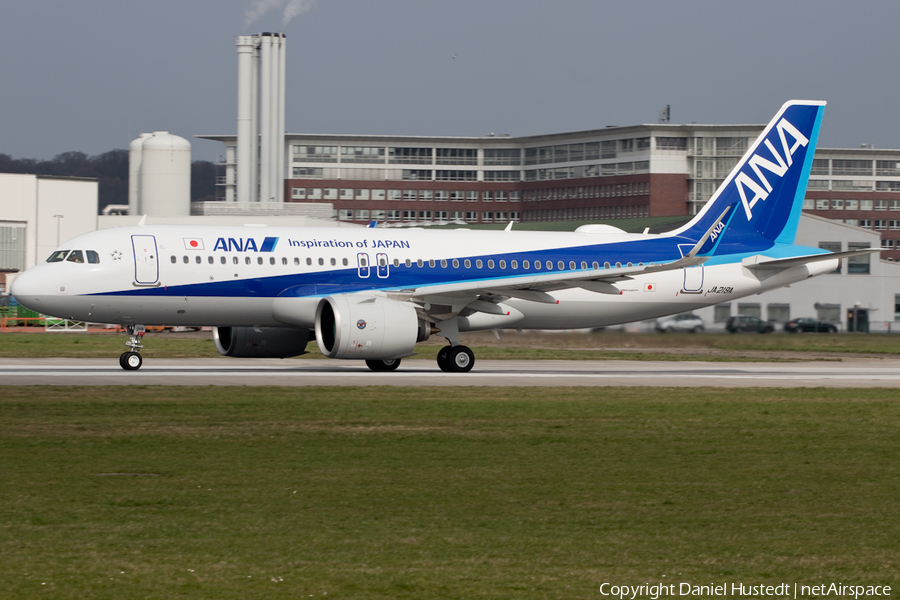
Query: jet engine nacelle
260, 342
368, 327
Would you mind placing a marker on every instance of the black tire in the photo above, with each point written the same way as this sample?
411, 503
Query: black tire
389, 364
697, 329
443, 359
131, 361
462, 359
832, 329
767, 330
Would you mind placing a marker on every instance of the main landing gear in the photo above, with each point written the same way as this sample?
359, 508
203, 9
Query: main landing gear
455, 359
389, 364
131, 360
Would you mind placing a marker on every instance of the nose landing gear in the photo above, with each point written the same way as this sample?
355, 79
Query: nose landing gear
131, 360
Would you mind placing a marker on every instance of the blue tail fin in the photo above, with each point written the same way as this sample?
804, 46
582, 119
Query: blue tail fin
766, 189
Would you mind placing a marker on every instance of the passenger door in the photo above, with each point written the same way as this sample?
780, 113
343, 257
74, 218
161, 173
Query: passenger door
146, 260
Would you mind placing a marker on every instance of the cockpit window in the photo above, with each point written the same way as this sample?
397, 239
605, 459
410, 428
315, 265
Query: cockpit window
58, 256
92, 257
76, 257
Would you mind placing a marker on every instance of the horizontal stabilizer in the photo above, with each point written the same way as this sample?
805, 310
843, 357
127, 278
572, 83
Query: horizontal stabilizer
763, 263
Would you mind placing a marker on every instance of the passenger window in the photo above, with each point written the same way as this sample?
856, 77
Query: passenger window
478, 263
76, 257
174, 259
185, 259
606, 265
583, 264
490, 264
308, 261
197, 259
514, 264
420, 263
455, 264
210, 260
431, 263
549, 264
383, 262
259, 260
333, 262
271, 260
396, 262
222, 260
468, 263
92, 257
235, 260
595, 265
618, 265
408, 263
296, 262
246, 260
284, 260
537, 265
444, 263
571, 264
322, 262
345, 262
560, 265
502, 264
526, 264
58, 256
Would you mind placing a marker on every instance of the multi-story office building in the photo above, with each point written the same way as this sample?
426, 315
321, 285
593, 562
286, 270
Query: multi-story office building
612, 173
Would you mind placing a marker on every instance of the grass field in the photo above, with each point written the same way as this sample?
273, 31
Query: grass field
606, 345
419, 493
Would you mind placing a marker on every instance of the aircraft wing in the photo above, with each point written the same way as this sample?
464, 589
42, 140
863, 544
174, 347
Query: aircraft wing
481, 296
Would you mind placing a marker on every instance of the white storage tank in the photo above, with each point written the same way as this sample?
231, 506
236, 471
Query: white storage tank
165, 176
134, 174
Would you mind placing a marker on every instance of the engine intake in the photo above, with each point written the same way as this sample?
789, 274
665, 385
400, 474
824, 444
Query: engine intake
368, 327
260, 342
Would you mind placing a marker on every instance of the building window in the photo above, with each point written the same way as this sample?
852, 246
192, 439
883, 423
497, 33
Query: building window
851, 204
441, 195
416, 175
409, 156
454, 175
487, 217
669, 143
820, 167
307, 172
830, 313
502, 156
887, 186
858, 265
362, 215
750, 309
456, 156
472, 196
361, 154
851, 167
345, 214
315, 153
410, 195
608, 149
298, 193
361, 194
502, 176
780, 313
881, 205
722, 312
457, 196
378, 194
837, 205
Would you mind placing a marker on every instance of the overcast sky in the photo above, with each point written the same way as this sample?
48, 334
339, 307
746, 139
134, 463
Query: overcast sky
90, 75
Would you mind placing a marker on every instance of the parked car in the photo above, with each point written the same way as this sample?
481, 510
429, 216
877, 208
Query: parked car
745, 323
689, 322
807, 324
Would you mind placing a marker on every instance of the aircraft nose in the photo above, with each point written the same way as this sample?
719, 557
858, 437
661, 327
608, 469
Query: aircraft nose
27, 289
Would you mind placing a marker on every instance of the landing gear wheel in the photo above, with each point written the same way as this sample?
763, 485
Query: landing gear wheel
389, 364
443, 359
131, 361
455, 359
462, 359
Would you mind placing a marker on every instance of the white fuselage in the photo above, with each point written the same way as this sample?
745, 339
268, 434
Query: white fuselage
237, 276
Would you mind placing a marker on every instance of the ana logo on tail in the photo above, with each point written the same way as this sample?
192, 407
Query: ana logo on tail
760, 187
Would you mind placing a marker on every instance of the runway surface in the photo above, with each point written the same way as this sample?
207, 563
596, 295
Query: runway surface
852, 372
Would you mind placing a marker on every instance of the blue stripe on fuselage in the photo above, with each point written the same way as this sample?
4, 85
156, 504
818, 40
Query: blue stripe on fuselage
347, 280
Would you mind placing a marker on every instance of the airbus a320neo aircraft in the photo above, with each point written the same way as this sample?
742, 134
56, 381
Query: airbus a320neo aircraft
374, 293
